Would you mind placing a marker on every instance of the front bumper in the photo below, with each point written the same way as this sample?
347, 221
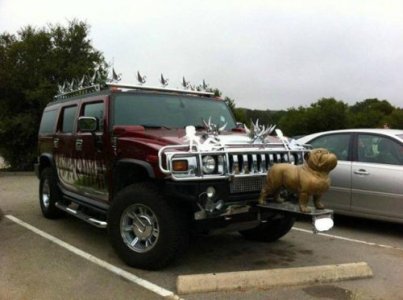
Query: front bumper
227, 207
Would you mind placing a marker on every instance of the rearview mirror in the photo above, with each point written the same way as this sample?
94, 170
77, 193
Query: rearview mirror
87, 124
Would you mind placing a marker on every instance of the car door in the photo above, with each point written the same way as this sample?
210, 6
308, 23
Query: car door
338, 197
90, 154
63, 146
377, 185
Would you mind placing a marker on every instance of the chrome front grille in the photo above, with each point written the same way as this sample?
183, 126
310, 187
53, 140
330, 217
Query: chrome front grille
259, 163
231, 163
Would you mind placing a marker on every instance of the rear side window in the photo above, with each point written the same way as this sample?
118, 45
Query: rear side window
69, 114
336, 143
48, 122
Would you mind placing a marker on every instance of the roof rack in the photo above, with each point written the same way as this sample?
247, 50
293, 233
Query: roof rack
94, 84
80, 91
127, 87
112, 85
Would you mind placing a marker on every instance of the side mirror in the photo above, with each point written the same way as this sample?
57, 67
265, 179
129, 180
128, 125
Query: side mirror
240, 125
87, 124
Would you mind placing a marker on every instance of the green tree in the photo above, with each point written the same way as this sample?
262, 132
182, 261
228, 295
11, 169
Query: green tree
395, 119
369, 113
325, 114
294, 122
238, 113
32, 63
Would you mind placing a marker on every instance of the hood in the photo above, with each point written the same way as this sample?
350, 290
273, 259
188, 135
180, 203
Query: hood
160, 137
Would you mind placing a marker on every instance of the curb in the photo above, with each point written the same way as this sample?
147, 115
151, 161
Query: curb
265, 279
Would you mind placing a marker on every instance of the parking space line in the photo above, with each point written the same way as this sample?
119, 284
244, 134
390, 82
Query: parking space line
338, 237
118, 271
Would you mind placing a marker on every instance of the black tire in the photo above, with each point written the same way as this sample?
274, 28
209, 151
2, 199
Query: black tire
271, 230
49, 194
145, 231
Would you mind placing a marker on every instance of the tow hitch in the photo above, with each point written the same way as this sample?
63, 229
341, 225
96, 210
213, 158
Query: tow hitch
322, 219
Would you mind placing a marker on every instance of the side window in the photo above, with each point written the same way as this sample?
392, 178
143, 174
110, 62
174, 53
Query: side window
379, 149
95, 110
48, 122
68, 114
336, 143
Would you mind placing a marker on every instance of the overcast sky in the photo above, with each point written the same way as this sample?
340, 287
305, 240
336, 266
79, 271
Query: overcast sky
264, 54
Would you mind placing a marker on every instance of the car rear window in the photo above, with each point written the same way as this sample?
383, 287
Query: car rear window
48, 122
336, 143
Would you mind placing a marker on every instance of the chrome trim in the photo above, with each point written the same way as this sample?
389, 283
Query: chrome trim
158, 89
236, 162
82, 216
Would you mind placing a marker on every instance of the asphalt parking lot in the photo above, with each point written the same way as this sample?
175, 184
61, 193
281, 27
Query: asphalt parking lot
32, 266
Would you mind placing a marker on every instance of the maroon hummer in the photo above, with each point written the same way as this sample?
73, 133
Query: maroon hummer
154, 165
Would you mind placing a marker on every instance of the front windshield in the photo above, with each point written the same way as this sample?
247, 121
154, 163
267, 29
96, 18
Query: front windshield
170, 111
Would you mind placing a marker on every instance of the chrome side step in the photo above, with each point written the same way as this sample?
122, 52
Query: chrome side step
82, 216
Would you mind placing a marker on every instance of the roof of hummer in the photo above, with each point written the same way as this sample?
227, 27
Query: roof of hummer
109, 88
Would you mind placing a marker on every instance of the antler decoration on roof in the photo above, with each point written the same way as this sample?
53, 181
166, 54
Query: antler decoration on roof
141, 79
259, 132
164, 81
204, 85
95, 77
71, 85
185, 83
61, 88
81, 83
115, 77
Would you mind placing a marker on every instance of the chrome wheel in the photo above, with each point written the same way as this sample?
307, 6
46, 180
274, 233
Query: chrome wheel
139, 228
49, 193
45, 193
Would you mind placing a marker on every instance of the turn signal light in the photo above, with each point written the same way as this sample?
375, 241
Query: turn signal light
180, 165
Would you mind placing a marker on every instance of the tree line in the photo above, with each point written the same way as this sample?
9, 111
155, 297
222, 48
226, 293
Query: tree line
34, 61
326, 114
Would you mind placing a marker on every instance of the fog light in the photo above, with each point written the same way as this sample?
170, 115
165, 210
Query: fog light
322, 223
210, 192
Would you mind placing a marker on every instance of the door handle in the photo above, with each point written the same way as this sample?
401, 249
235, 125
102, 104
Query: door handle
55, 143
361, 172
79, 144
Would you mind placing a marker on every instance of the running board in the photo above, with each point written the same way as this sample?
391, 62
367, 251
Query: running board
82, 216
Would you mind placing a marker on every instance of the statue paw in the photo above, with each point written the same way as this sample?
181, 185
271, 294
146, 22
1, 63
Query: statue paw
304, 209
279, 199
319, 205
262, 201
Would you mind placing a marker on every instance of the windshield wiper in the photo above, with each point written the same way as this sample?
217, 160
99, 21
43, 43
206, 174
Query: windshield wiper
198, 127
156, 126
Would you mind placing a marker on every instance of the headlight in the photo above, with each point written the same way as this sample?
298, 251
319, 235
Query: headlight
209, 164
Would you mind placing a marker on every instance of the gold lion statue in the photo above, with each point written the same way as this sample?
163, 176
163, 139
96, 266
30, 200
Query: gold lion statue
311, 178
